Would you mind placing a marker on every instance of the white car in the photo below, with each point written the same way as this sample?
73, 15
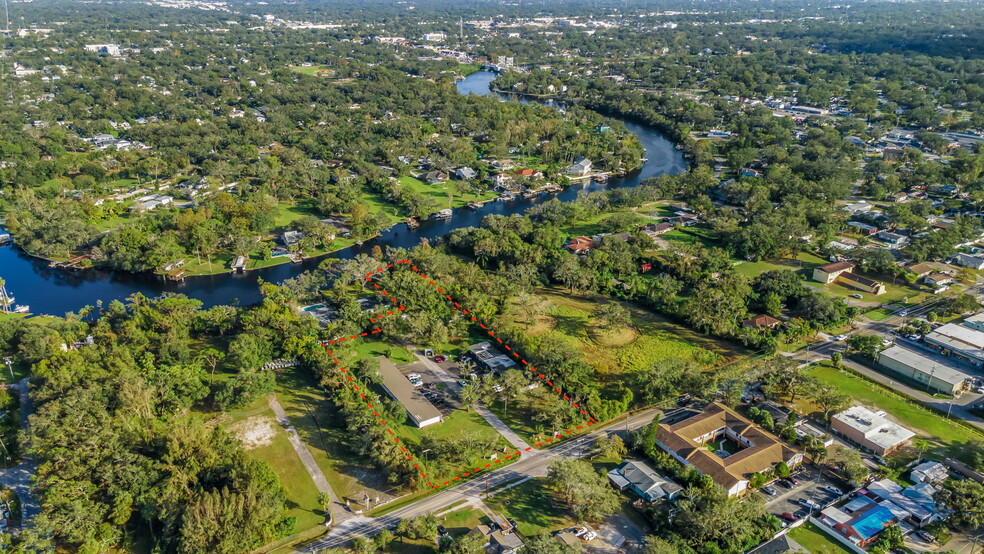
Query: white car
497, 388
413, 376
903, 313
839, 338
589, 536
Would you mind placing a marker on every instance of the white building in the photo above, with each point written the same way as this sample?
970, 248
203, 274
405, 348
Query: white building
870, 430
110, 49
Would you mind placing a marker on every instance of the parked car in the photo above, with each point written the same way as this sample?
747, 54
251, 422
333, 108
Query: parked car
840, 337
926, 536
903, 313
833, 490
413, 376
808, 503
462, 382
589, 536
441, 531
440, 359
801, 513
856, 295
784, 483
792, 480
788, 517
769, 490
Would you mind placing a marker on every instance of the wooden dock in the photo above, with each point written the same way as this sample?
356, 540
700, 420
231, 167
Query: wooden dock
176, 275
239, 264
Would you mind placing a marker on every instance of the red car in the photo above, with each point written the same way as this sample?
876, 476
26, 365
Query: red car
789, 517
439, 359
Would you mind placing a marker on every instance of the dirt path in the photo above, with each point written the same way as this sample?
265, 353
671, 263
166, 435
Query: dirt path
318, 476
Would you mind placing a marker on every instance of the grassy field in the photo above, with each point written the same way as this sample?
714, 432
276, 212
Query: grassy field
457, 426
691, 235
535, 507
614, 354
311, 69
439, 193
302, 495
816, 541
945, 438
804, 263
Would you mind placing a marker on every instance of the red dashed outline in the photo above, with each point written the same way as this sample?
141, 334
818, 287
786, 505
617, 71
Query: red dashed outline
399, 308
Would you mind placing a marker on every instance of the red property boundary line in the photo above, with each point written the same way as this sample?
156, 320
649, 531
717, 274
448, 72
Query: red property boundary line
399, 308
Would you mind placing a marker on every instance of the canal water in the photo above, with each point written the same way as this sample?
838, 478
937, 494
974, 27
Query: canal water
56, 291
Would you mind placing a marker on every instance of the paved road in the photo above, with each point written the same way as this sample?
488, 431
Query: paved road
18, 478
452, 383
532, 464
318, 476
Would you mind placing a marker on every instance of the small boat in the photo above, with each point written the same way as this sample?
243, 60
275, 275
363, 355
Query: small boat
22, 309
600, 179
412, 223
474, 205
443, 214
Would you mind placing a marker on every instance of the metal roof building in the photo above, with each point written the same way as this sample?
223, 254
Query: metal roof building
932, 372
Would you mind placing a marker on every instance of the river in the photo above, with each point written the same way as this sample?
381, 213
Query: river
56, 291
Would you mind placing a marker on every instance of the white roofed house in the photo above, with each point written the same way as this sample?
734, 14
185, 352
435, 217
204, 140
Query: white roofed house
580, 167
466, 173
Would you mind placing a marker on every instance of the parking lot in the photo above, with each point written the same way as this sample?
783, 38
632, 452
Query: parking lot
433, 388
810, 487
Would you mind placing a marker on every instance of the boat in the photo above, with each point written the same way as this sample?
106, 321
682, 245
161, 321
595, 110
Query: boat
443, 214
412, 223
22, 309
474, 205
600, 178
5, 239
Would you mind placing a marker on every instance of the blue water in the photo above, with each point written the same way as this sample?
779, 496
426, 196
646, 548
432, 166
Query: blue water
55, 291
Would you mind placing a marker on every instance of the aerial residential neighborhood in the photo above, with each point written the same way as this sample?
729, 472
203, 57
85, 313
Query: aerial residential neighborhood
481, 277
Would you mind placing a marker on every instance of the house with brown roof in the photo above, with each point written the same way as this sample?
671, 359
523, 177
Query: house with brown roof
829, 273
921, 270
762, 320
579, 245
723, 444
656, 229
843, 272
526, 173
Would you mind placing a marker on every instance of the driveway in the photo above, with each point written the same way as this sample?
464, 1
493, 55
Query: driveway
18, 478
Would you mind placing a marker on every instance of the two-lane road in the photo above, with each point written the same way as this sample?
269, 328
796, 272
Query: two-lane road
532, 464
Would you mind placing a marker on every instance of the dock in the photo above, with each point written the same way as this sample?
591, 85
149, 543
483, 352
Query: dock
239, 264
70, 264
6, 239
443, 214
176, 275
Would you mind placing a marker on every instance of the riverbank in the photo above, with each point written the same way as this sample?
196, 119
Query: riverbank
56, 292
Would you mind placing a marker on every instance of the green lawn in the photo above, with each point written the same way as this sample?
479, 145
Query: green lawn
535, 507
309, 70
804, 262
457, 426
302, 495
945, 438
690, 235
816, 541
439, 193
288, 212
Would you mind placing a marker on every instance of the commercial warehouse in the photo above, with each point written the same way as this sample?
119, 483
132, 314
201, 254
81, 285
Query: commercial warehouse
933, 373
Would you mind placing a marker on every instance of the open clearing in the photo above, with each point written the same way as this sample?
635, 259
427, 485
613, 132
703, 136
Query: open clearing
255, 431
945, 438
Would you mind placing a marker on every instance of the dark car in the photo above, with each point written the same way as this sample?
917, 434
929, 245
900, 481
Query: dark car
441, 531
801, 513
784, 483
793, 480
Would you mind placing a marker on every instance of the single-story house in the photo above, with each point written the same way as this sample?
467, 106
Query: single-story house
973, 261
489, 358
930, 472
643, 481
656, 229
898, 197
892, 239
291, 237
526, 173
396, 385
921, 270
762, 320
434, 177
863, 228
938, 279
